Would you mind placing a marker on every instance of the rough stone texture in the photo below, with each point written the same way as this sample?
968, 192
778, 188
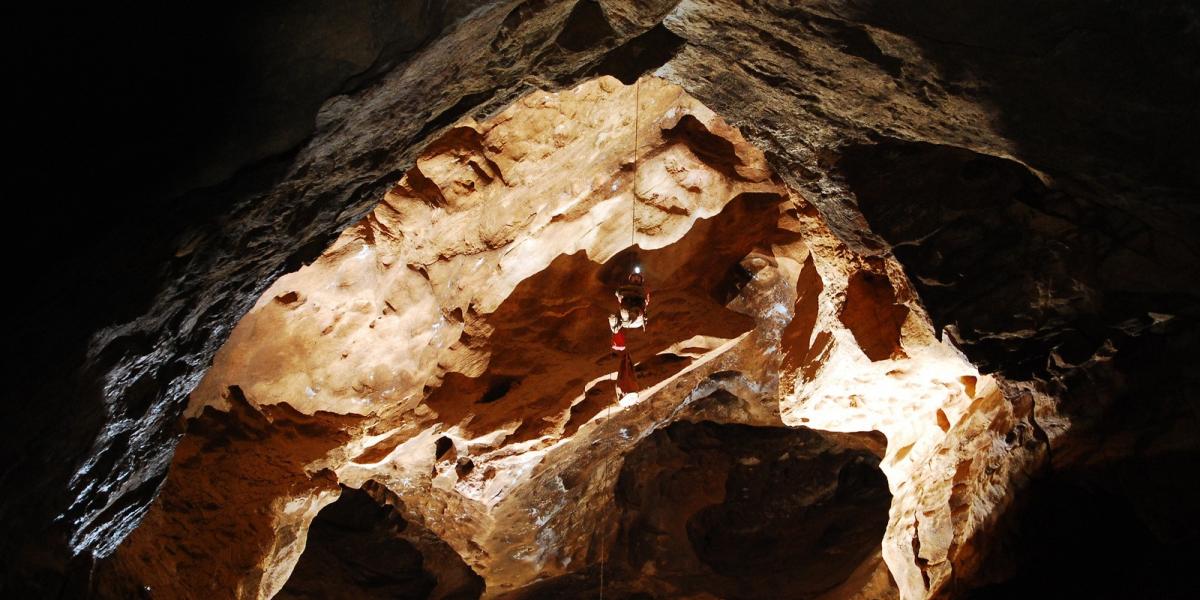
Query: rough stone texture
1062, 257
460, 327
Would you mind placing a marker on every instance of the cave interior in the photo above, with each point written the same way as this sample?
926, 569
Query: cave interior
322, 309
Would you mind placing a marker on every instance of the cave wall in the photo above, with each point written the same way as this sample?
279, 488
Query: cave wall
458, 322
459, 330
1091, 100
162, 119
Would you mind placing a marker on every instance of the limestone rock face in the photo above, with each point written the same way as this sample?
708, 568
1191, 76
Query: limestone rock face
964, 227
451, 349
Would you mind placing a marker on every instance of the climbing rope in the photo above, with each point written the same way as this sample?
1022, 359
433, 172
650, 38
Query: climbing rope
637, 108
603, 534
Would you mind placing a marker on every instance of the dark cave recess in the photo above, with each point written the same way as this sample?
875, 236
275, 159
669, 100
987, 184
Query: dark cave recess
360, 548
740, 512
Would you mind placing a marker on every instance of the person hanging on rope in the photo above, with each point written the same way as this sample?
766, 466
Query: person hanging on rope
632, 300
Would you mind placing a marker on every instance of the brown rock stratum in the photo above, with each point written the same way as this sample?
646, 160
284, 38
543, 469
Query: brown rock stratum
451, 349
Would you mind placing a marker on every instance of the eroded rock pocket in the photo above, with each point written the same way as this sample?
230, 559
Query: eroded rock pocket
361, 547
751, 512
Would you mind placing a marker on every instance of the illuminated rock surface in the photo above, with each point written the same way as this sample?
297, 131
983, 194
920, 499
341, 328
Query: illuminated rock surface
939, 322
451, 349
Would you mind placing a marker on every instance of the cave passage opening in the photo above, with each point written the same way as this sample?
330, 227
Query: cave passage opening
740, 511
360, 546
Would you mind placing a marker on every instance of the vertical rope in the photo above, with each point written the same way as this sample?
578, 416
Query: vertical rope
637, 107
604, 535
602, 553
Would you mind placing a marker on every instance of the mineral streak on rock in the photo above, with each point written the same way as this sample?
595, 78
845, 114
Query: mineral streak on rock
452, 347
